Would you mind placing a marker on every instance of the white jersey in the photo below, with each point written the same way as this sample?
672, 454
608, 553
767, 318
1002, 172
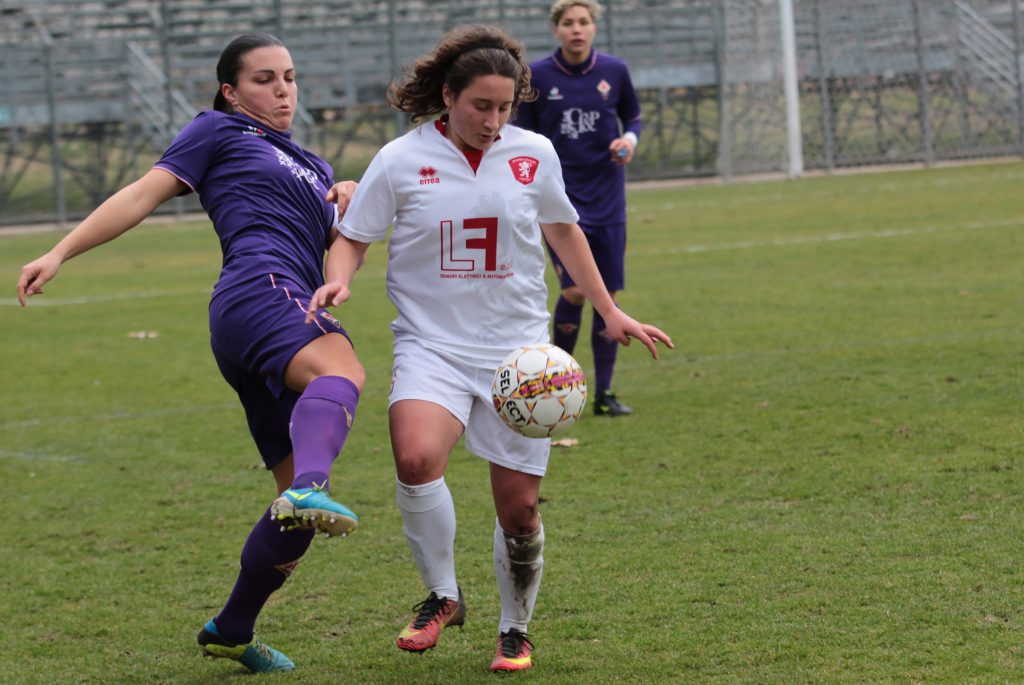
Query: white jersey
465, 259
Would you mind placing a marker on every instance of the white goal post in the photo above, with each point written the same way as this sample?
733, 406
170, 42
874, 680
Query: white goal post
794, 139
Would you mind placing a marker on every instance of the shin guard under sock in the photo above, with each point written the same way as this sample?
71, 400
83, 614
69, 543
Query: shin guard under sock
566, 324
268, 558
320, 424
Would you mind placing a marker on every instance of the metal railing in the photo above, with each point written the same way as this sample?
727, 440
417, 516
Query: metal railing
987, 50
151, 94
879, 80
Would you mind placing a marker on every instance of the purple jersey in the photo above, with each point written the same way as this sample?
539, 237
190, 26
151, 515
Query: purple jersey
580, 108
264, 194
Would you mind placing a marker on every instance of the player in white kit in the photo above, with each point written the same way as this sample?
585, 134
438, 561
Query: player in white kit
468, 198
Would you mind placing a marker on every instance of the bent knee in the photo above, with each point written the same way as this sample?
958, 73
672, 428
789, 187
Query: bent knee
521, 517
356, 373
328, 355
574, 295
416, 466
352, 372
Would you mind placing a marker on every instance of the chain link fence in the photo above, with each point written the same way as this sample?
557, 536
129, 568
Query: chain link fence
880, 81
93, 91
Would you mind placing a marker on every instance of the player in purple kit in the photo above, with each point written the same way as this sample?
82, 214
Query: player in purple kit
587, 107
274, 206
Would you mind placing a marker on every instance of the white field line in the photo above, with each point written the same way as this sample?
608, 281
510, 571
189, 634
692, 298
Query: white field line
43, 301
117, 416
162, 221
34, 456
828, 238
682, 249
135, 415
639, 357
635, 359
777, 186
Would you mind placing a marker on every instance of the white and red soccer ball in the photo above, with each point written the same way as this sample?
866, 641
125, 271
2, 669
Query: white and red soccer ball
539, 390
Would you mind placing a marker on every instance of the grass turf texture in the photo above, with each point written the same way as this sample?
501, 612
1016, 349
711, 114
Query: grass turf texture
822, 484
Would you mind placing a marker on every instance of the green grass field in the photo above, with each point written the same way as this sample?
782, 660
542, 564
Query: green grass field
823, 483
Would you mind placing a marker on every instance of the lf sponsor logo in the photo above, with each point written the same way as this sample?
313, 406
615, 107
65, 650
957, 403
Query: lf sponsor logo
524, 169
428, 175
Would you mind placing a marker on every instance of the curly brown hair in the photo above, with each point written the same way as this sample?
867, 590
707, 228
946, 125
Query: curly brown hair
461, 55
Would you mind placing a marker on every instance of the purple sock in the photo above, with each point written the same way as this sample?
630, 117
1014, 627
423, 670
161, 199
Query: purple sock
268, 558
605, 350
566, 324
320, 423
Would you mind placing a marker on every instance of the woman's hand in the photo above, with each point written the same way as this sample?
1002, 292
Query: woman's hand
327, 295
341, 194
35, 274
621, 150
621, 328
118, 213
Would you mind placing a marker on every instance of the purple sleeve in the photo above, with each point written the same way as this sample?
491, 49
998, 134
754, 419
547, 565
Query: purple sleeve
629, 107
188, 157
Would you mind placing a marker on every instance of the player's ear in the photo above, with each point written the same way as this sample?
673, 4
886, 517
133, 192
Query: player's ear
228, 91
446, 95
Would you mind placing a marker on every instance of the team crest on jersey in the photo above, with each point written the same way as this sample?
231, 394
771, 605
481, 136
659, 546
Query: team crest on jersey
524, 169
604, 88
428, 175
554, 93
326, 315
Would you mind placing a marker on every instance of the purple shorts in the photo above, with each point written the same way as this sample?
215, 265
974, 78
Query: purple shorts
608, 245
255, 330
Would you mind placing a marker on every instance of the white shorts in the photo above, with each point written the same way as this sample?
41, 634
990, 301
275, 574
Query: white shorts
465, 391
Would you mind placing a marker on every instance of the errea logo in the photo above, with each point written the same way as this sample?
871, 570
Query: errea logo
254, 131
428, 175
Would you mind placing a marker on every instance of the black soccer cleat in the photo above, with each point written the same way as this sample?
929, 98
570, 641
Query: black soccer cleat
607, 404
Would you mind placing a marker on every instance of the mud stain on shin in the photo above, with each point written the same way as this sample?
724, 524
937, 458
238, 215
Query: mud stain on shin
523, 553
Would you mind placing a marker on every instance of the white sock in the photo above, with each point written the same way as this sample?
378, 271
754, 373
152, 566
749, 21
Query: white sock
518, 564
428, 515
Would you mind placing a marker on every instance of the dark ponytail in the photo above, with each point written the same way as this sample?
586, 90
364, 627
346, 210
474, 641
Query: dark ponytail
230, 63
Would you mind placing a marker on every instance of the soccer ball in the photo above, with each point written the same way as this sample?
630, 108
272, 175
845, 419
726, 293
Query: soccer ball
539, 390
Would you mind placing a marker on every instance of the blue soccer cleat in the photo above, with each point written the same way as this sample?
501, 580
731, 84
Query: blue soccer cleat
313, 508
255, 655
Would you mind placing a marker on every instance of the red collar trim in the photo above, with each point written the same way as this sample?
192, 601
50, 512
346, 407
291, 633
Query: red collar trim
472, 155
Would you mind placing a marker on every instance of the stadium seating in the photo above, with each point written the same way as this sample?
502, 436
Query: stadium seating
707, 72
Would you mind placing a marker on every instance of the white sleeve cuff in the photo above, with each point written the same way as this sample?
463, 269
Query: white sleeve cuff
631, 137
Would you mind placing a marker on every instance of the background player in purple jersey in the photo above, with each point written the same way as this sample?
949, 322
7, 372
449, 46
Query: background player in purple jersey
469, 198
587, 107
270, 202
